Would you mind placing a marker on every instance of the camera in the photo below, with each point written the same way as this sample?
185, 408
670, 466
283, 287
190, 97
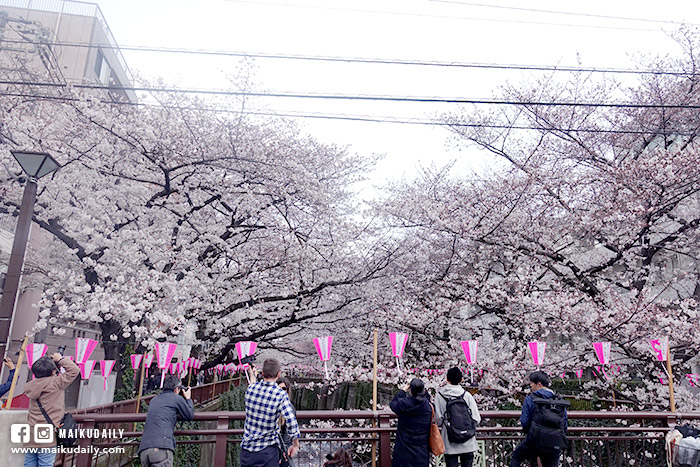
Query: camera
248, 359
62, 349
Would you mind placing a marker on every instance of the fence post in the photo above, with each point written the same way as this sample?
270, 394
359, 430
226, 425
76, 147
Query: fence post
384, 442
85, 457
221, 443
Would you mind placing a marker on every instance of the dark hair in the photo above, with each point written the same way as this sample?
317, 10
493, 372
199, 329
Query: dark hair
171, 382
44, 367
288, 383
540, 377
271, 367
454, 375
417, 387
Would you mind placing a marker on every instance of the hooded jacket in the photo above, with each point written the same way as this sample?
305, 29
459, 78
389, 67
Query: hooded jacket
415, 414
448, 392
51, 391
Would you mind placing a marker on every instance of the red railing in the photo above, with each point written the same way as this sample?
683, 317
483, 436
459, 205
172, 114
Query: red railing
200, 395
596, 438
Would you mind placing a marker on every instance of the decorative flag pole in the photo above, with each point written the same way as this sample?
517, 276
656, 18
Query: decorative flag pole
189, 370
22, 352
602, 351
537, 351
142, 366
106, 368
470, 348
164, 354
398, 344
245, 349
374, 387
662, 349
323, 347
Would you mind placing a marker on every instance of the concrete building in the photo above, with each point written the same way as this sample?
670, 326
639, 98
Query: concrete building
42, 42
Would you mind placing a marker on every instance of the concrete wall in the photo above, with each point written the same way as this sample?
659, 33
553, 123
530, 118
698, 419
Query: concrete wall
7, 418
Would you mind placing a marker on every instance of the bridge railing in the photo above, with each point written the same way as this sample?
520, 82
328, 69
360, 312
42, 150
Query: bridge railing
202, 394
213, 438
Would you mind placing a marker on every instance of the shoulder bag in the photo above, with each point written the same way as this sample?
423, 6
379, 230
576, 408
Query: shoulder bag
437, 445
66, 427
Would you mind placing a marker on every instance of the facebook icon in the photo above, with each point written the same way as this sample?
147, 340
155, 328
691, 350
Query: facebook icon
19, 433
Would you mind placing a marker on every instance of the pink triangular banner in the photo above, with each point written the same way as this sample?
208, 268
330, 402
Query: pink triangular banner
398, 343
106, 368
35, 352
323, 347
86, 368
136, 361
84, 348
164, 354
602, 351
537, 350
470, 349
660, 348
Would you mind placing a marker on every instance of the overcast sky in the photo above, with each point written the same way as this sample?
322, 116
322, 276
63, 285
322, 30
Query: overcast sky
601, 34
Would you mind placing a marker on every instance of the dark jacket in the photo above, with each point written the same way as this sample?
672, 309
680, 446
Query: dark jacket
51, 391
163, 413
411, 448
529, 408
8, 384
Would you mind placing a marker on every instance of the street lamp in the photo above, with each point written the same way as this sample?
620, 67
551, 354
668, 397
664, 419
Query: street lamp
35, 165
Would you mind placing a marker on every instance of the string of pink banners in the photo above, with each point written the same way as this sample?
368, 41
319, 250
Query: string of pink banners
164, 353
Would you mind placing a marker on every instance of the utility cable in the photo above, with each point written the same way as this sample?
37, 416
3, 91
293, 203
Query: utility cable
373, 61
349, 97
371, 119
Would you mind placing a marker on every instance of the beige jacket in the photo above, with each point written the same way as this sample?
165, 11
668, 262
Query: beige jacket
51, 391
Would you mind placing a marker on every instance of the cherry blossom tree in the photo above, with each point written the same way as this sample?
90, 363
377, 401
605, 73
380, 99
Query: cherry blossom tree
585, 230
175, 219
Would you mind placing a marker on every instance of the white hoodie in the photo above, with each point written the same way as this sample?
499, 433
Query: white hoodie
450, 391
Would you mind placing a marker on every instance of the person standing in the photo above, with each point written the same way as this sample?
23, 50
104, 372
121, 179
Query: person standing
415, 414
265, 402
157, 448
463, 411
544, 421
47, 391
8, 384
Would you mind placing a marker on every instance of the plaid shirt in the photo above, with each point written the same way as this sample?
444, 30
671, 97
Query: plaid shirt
264, 403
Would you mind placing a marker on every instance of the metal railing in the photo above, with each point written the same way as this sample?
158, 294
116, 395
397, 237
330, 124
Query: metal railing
213, 438
202, 394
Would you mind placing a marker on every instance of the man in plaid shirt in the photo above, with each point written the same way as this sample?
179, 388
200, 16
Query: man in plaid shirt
265, 401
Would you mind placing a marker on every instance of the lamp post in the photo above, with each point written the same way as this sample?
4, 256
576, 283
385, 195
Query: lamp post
35, 165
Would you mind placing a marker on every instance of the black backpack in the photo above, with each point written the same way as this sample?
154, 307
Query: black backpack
548, 428
458, 420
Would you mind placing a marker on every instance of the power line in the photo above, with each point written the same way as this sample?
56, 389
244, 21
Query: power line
372, 119
567, 13
349, 97
450, 17
377, 61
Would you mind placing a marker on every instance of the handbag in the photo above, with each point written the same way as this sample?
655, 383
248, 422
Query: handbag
65, 429
437, 445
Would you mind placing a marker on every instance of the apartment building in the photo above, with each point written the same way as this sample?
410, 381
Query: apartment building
42, 42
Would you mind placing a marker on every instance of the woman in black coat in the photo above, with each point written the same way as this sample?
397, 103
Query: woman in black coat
415, 414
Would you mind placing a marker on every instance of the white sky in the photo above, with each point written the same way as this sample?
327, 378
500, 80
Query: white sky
426, 30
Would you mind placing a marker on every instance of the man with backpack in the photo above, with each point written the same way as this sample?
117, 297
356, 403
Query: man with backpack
457, 415
544, 421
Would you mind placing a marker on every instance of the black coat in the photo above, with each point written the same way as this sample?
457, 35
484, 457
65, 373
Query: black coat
411, 448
